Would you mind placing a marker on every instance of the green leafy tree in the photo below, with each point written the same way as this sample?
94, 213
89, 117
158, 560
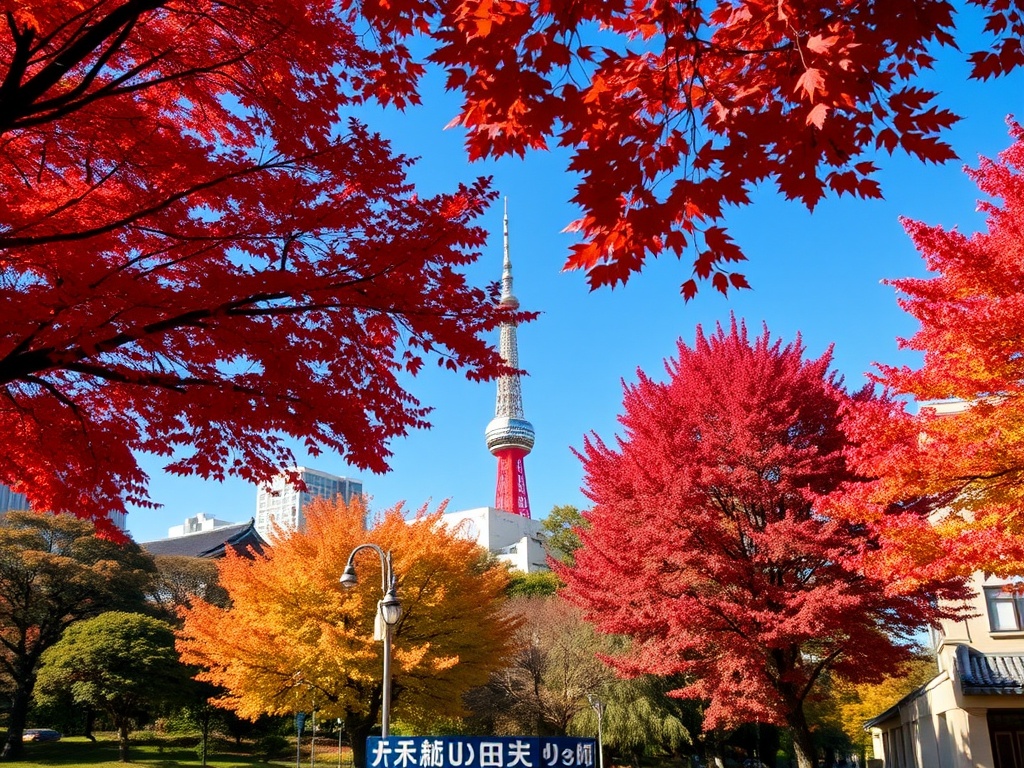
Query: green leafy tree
180, 580
639, 720
55, 571
123, 664
537, 584
561, 527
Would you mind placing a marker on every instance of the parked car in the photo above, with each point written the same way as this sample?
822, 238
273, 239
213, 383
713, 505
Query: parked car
40, 734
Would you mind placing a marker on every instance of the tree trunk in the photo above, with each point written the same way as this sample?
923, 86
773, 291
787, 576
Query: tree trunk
359, 728
803, 746
13, 747
90, 721
122, 742
205, 716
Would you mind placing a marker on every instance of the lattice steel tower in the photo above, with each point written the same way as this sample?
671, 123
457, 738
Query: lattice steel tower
509, 435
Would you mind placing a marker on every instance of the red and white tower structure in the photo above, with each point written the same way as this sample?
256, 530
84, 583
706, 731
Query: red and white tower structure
509, 435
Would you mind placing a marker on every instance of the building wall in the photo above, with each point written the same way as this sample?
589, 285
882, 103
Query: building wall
281, 506
940, 726
11, 501
513, 538
197, 524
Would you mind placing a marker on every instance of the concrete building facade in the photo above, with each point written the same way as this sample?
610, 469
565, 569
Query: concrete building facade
971, 714
515, 539
280, 506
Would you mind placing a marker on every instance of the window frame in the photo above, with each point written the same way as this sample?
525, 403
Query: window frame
1001, 594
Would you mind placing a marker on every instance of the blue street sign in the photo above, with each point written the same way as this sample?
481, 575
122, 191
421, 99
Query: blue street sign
480, 752
300, 722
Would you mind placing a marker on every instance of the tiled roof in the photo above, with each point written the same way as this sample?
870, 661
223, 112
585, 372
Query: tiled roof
986, 673
210, 544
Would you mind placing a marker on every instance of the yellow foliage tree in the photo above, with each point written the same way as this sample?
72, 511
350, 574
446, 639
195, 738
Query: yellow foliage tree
293, 638
853, 705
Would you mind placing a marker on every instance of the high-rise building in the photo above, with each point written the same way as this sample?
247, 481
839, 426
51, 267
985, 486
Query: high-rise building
281, 505
509, 435
11, 501
16, 502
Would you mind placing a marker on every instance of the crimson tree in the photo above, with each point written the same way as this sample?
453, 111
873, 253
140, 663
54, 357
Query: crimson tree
200, 255
708, 546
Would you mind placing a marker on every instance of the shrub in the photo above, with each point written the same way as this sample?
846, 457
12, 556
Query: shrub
271, 746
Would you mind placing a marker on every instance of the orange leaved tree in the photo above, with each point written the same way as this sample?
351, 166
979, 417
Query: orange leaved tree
294, 638
950, 488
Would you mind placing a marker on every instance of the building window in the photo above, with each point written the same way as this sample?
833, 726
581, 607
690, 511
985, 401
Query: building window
1005, 607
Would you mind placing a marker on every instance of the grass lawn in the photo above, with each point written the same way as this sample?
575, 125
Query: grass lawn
147, 750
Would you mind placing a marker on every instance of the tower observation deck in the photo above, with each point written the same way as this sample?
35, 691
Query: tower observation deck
509, 435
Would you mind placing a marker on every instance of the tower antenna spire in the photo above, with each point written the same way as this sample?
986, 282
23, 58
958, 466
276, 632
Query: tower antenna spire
509, 435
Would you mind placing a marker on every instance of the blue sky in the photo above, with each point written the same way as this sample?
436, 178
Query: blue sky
817, 274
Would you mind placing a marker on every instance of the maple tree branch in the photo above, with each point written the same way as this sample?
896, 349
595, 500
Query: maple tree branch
821, 666
178, 384
63, 400
23, 364
8, 242
19, 59
64, 105
72, 55
21, 103
60, 396
968, 480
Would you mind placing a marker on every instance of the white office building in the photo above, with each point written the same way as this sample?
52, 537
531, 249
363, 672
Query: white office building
199, 523
280, 506
513, 538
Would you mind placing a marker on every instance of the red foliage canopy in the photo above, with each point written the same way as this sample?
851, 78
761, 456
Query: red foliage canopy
675, 110
199, 256
197, 251
965, 458
708, 547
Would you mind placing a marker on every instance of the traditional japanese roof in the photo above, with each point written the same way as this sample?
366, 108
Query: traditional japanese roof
242, 539
987, 673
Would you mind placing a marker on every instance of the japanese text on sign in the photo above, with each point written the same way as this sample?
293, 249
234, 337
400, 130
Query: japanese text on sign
480, 752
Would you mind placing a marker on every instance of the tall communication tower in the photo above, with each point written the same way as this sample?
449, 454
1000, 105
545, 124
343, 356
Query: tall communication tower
509, 435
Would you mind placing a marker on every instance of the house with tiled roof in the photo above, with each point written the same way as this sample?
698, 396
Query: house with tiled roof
971, 714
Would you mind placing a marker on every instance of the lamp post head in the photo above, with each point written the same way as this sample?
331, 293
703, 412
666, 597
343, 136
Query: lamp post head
391, 608
348, 577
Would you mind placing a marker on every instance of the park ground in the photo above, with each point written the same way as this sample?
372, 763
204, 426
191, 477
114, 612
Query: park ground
157, 751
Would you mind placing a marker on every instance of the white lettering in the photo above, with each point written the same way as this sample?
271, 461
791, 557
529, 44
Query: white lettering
432, 754
405, 755
381, 750
518, 752
491, 754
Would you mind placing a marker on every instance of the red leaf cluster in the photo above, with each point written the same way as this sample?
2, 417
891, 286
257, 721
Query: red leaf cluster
963, 454
200, 256
674, 111
710, 544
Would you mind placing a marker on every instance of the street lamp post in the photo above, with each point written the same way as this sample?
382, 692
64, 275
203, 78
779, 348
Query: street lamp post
389, 612
598, 707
